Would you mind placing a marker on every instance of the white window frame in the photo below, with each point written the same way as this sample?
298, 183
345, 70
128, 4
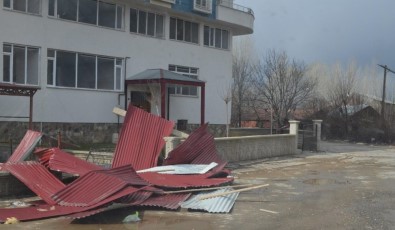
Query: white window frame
55, 10
146, 23
116, 66
203, 6
178, 89
183, 28
11, 55
26, 7
212, 37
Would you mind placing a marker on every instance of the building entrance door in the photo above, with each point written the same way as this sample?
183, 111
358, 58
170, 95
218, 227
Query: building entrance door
141, 100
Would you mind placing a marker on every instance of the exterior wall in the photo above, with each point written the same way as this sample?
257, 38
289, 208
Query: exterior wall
54, 104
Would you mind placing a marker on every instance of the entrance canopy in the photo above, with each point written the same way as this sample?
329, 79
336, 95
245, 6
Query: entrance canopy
20, 90
164, 78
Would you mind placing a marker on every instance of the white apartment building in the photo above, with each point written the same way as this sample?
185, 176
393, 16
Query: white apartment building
82, 54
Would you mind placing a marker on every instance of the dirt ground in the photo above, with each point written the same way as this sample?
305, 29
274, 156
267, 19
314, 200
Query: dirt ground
346, 186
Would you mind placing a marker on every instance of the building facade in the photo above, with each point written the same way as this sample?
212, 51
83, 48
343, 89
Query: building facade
79, 52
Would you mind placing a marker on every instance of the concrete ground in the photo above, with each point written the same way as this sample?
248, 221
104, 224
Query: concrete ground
347, 186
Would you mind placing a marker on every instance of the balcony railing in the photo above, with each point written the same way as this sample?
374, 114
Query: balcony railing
230, 4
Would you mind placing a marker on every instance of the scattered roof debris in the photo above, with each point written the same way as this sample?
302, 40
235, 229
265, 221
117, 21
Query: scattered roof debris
141, 139
26, 146
191, 168
220, 204
181, 169
58, 160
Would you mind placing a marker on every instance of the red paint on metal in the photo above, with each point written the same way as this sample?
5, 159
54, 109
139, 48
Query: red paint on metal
198, 148
27, 144
59, 160
37, 178
46, 211
98, 185
141, 139
169, 201
183, 181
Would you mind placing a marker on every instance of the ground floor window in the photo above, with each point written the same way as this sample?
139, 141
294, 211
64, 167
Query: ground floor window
20, 64
27, 6
184, 90
84, 71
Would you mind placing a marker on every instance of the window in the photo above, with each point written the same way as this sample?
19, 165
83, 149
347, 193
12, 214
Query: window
186, 71
146, 23
215, 37
20, 64
184, 30
92, 12
83, 71
27, 6
203, 6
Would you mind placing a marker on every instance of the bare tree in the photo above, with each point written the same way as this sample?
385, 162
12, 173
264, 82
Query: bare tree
281, 84
341, 91
242, 72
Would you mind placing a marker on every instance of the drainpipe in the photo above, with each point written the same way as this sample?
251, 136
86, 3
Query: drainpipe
125, 85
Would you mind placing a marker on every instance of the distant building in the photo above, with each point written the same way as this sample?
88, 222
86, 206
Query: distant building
86, 55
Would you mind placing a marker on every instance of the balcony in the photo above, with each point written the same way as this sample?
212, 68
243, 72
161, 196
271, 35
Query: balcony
240, 18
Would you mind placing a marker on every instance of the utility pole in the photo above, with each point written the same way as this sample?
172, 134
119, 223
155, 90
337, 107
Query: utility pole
383, 98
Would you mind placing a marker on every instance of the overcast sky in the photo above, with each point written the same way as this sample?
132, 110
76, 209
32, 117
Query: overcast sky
326, 30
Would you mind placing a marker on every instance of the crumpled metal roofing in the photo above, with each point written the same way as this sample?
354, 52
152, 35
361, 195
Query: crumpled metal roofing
59, 160
198, 148
36, 177
221, 204
184, 169
96, 186
183, 181
26, 146
46, 211
168, 201
141, 139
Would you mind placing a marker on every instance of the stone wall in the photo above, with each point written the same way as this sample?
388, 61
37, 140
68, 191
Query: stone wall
74, 133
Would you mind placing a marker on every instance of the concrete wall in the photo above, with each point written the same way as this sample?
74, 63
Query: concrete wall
235, 149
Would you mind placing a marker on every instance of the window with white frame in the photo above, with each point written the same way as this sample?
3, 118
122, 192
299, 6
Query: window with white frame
215, 37
20, 64
92, 12
182, 30
27, 6
188, 72
146, 23
204, 6
83, 71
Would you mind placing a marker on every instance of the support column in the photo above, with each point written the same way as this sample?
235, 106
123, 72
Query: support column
294, 129
317, 131
31, 112
202, 105
162, 98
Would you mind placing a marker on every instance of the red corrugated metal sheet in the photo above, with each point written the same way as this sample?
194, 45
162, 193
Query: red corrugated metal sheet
46, 211
37, 178
126, 201
141, 139
183, 181
58, 160
169, 201
26, 146
198, 148
95, 186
